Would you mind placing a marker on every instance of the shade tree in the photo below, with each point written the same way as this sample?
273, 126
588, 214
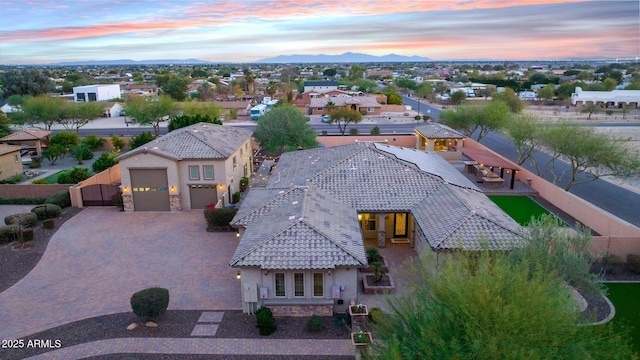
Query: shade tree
285, 128
343, 116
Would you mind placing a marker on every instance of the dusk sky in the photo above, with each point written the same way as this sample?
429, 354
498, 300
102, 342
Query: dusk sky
43, 31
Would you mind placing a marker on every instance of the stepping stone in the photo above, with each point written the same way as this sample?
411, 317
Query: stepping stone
211, 317
205, 330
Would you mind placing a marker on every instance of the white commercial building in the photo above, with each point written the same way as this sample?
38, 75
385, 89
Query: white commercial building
99, 92
616, 98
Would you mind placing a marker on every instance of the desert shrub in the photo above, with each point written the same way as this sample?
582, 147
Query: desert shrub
48, 224
24, 219
314, 323
117, 143
93, 141
66, 139
22, 201
47, 211
61, 198
353, 131
265, 320
105, 161
612, 264
36, 158
141, 139
35, 165
244, 182
373, 255
42, 181
118, 201
375, 130
74, 176
150, 303
417, 117
8, 233
634, 261
219, 217
375, 314
236, 197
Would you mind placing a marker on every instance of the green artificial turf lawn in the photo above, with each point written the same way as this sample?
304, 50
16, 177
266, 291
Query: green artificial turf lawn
53, 178
520, 208
626, 299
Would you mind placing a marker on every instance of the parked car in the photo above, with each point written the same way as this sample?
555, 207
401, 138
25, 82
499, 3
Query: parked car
325, 118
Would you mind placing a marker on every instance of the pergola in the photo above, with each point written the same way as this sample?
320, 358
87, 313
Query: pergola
487, 158
30, 136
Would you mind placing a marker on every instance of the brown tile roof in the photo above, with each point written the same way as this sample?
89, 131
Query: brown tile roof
7, 149
27, 135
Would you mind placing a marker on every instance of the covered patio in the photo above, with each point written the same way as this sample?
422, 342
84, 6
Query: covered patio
28, 139
484, 164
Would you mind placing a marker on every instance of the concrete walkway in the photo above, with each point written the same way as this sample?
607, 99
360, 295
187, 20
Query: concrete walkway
100, 257
298, 347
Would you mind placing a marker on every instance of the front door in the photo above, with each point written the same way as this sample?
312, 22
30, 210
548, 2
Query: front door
400, 224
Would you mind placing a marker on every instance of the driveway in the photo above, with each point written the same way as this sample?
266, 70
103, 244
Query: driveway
100, 257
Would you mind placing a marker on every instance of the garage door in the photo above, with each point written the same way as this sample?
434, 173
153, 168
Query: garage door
150, 189
202, 195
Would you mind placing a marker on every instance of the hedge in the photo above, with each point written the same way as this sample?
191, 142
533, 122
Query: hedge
150, 303
47, 211
61, 198
26, 219
219, 217
8, 233
22, 201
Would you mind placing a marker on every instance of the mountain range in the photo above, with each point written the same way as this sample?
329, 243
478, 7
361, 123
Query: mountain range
347, 57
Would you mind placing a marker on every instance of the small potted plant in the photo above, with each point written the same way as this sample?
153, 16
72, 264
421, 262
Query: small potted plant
360, 338
358, 309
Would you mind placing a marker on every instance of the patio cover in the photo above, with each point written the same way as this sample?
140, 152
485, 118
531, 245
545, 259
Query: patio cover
30, 135
490, 159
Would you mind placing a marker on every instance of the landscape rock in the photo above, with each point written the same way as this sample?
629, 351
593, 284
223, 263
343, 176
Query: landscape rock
132, 326
151, 324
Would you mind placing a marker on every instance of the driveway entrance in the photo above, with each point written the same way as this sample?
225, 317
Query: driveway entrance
99, 258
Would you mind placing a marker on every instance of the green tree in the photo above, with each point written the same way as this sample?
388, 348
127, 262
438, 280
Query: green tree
26, 81
117, 143
150, 112
590, 109
176, 87
81, 152
393, 98
524, 131
74, 176
405, 83
609, 84
43, 110
423, 90
272, 88
285, 128
206, 109
105, 161
5, 125
512, 99
546, 92
329, 72
595, 155
344, 116
53, 152
141, 139
356, 72
78, 114
66, 139
186, 120
478, 118
458, 97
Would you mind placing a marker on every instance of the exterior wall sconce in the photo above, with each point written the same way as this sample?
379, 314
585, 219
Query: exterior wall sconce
329, 272
266, 273
529, 181
238, 234
221, 187
125, 189
238, 276
173, 189
359, 217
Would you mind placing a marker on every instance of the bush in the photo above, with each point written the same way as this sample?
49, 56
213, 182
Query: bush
48, 224
105, 161
417, 117
236, 197
244, 182
74, 176
375, 130
150, 303
25, 219
117, 143
8, 233
375, 315
47, 211
219, 217
265, 320
118, 201
373, 255
60, 198
35, 165
634, 261
141, 139
613, 264
42, 181
314, 323
22, 201
353, 131
93, 142
27, 235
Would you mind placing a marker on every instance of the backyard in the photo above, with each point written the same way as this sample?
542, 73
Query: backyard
521, 208
624, 297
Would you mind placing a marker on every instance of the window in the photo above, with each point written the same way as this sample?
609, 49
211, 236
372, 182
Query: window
194, 172
15, 158
370, 221
207, 172
318, 284
319, 109
235, 163
280, 284
370, 110
298, 284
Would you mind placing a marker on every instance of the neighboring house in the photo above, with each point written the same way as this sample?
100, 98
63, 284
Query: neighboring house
320, 86
6, 108
301, 236
304, 99
241, 107
367, 105
616, 98
99, 92
113, 109
442, 139
10, 161
139, 89
188, 168
31, 139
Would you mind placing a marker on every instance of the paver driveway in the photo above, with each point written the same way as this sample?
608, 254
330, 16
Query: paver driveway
100, 257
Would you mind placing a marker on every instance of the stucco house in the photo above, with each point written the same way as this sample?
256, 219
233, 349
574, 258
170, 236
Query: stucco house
31, 139
367, 105
188, 168
10, 161
441, 139
301, 237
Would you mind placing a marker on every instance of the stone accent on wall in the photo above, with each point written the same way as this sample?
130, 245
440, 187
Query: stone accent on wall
175, 203
301, 310
127, 200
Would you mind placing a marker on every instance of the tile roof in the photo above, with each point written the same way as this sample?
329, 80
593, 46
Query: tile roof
438, 131
298, 228
344, 100
448, 208
27, 135
199, 141
7, 149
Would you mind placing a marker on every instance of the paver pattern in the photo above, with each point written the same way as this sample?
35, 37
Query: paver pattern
99, 258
